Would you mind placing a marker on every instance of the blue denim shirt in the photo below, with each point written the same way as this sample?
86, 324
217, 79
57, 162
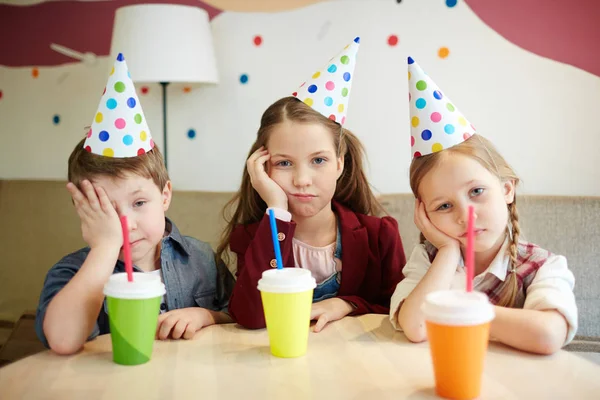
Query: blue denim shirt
191, 276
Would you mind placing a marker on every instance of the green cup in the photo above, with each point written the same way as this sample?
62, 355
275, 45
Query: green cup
133, 309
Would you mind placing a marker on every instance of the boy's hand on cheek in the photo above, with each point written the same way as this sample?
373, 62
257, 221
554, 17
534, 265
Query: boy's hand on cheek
182, 323
100, 224
328, 311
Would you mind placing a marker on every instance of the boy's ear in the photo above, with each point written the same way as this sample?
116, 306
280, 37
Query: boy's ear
509, 191
167, 194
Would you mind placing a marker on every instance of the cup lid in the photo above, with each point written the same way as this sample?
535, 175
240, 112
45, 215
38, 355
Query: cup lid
144, 286
286, 280
457, 307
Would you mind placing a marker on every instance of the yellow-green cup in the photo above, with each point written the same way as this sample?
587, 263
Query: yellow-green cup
287, 300
133, 309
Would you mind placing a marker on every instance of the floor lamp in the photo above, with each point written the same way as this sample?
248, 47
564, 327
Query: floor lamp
165, 43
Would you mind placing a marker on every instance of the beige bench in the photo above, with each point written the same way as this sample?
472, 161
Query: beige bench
39, 226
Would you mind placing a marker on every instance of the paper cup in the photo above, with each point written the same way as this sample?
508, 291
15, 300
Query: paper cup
458, 325
133, 309
287, 300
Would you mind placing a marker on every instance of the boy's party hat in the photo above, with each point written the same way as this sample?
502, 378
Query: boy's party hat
119, 128
435, 122
328, 90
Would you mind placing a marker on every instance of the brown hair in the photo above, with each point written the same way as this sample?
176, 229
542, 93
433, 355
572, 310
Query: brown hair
352, 188
483, 151
86, 165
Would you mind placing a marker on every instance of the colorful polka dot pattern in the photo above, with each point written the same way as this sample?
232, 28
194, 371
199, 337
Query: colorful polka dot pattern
328, 90
119, 128
435, 121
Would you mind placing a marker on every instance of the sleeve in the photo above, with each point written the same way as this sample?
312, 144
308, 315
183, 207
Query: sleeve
255, 254
57, 278
392, 259
552, 289
280, 214
415, 269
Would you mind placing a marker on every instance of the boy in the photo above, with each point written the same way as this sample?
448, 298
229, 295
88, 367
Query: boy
117, 170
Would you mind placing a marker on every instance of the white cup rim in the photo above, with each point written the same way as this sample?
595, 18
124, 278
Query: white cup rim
457, 308
144, 286
286, 280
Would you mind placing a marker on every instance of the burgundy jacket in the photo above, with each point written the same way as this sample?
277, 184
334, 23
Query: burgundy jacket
372, 262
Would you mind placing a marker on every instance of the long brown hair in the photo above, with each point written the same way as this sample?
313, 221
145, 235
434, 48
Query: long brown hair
352, 188
483, 151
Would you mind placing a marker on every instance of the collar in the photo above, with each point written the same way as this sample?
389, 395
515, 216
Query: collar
499, 265
176, 236
348, 218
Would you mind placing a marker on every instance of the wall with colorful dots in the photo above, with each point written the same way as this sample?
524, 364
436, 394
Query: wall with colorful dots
537, 104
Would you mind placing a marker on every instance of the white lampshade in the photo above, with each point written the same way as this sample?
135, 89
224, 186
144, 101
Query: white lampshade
165, 43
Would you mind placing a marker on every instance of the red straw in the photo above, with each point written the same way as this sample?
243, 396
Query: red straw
127, 249
470, 250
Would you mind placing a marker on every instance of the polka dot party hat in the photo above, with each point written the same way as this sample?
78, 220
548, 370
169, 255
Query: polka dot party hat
119, 128
435, 122
328, 90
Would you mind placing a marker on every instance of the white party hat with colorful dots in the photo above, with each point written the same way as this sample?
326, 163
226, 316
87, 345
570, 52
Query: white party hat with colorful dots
119, 128
328, 90
435, 122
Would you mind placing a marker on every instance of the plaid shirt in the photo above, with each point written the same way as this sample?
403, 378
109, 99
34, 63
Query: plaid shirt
545, 282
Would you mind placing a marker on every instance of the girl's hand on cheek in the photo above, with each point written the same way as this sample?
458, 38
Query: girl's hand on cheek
267, 188
431, 233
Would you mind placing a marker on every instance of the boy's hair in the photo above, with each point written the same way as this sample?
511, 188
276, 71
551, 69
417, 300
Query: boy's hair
483, 151
352, 188
86, 165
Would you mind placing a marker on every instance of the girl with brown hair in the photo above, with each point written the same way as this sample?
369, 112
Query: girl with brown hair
309, 169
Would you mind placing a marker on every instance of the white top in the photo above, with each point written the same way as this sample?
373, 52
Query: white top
547, 281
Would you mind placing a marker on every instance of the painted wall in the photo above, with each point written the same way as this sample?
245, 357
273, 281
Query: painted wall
537, 105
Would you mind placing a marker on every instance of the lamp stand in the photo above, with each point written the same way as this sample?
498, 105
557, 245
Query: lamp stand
164, 99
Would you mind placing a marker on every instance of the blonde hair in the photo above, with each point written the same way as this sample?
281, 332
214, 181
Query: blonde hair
483, 151
352, 188
86, 165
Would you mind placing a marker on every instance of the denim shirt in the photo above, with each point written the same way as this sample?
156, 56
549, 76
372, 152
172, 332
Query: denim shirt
191, 277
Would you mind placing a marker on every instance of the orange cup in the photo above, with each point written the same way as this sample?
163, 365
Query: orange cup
458, 326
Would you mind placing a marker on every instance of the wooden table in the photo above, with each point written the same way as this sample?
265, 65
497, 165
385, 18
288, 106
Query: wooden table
355, 358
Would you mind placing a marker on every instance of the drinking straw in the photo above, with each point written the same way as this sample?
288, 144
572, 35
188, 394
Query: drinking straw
127, 249
470, 250
275, 241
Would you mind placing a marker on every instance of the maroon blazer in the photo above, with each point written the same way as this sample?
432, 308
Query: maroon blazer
372, 262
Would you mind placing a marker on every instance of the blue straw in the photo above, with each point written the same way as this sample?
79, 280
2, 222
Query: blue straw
275, 241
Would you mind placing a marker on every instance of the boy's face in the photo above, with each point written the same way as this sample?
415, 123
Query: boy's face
144, 205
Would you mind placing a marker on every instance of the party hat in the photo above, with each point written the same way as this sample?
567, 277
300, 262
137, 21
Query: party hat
435, 122
328, 90
119, 128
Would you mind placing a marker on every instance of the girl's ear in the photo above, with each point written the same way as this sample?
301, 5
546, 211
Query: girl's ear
509, 191
340, 166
